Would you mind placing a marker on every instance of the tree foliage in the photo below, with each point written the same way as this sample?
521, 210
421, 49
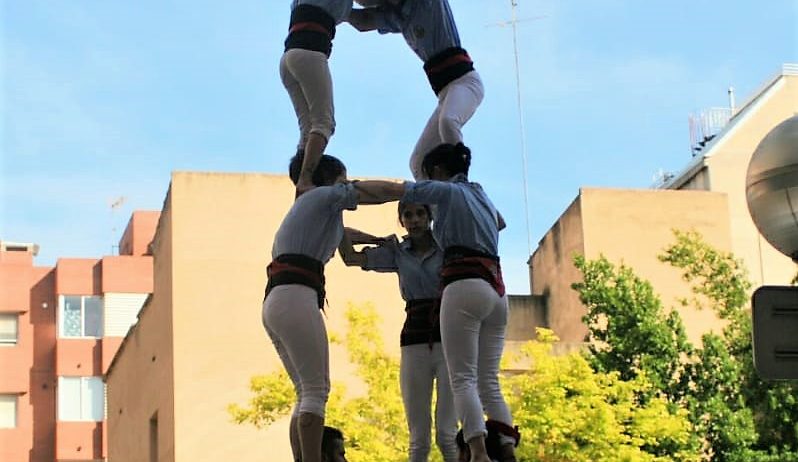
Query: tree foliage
741, 417
566, 411
570, 413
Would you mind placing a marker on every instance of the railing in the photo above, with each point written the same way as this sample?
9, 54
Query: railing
706, 125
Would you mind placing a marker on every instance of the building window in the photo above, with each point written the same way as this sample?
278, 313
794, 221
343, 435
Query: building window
81, 399
8, 411
9, 328
81, 316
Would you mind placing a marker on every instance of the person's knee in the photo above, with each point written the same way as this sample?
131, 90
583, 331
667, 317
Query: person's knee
324, 127
450, 127
489, 389
313, 403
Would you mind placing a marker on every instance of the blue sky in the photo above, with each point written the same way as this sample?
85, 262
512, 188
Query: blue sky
105, 99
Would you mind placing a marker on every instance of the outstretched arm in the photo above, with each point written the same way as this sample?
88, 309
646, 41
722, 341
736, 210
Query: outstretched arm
363, 19
379, 192
359, 237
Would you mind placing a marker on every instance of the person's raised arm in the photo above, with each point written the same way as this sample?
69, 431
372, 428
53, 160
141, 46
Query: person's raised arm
364, 19
379, 192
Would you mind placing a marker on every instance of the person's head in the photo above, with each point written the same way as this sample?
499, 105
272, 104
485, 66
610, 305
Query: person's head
332, 445
415, 218
329, 171
447, 160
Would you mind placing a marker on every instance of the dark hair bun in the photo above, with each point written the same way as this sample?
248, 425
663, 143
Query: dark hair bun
454, 158
464, 152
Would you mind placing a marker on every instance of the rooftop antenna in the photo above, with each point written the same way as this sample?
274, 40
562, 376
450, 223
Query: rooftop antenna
731, 100
513, 22
115, 204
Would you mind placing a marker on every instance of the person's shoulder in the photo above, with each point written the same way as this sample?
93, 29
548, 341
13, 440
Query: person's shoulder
319, 194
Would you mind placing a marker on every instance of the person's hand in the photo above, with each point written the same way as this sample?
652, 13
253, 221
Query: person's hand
377, 240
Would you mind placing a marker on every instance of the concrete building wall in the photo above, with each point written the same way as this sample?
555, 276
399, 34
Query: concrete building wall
42, 386
629, 227
633, 227
552, 272
138, 233
27, 365
219, 277
527, 312
140, 388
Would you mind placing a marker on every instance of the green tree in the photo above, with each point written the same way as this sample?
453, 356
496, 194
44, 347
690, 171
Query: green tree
741, 417
567, 412
629, 332
720, 281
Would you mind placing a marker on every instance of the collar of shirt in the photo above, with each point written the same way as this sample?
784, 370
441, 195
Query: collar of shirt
407, 246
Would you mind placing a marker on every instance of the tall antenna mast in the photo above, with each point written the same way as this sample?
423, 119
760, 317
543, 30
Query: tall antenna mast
514, 22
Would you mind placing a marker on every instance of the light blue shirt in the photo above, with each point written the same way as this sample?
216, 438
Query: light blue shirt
418, 275
338, 9
427, 25
463, 215
314, 225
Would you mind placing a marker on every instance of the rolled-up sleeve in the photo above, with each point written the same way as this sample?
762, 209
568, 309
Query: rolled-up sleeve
344, 196
427, 192
381, 258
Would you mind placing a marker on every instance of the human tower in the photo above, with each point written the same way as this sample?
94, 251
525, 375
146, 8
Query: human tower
449, 274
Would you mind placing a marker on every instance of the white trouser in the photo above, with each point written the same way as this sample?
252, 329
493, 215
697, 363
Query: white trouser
473, 323
306, 77
294, 323
457, 102
420, 367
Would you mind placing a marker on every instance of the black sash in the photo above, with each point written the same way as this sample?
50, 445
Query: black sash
465, 263
296, 269
446, 66
311, 28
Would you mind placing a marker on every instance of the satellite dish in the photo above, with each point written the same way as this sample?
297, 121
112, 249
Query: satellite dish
771, 187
